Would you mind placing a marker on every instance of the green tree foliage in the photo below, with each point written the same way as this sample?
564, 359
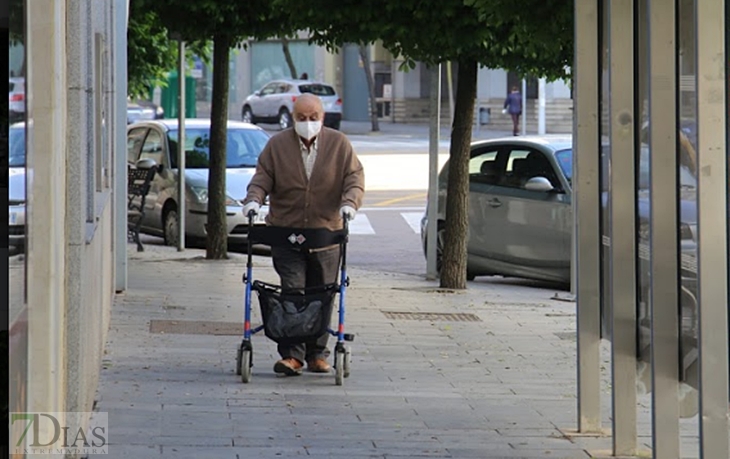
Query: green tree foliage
529, 36
227, 24
151, 53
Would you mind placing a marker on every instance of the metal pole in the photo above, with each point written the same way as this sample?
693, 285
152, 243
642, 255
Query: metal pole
181, 148
541, 106
622, 226
120, 144
433, 157
663, 239
586, 147
524, 106
450, 81
712, 202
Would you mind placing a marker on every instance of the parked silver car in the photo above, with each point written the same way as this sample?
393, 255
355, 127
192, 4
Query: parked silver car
275, 101
157, 140
520, 216
16, 99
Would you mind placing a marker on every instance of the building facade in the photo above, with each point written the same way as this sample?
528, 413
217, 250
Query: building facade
403, 96
63, 267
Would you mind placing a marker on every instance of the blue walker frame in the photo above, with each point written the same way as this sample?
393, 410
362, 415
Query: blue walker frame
248, 332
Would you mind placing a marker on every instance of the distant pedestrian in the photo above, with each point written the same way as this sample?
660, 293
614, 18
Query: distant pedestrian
513, 105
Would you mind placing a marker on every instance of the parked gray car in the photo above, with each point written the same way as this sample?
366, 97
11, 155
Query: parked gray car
520, 215
157, 140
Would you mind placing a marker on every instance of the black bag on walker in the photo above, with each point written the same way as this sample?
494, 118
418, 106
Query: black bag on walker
295, 318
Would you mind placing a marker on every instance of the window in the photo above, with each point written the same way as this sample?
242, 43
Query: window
565, 161
483, 168
243, 147
152, 147
524, 164
134, 142
317, 89
269, 89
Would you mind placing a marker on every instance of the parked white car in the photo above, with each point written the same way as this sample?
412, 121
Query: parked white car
274, 102
16, 185
156, 140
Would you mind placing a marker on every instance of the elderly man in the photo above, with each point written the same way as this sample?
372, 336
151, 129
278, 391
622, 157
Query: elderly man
313, 179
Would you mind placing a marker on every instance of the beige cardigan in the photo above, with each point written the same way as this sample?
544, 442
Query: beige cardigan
337, 180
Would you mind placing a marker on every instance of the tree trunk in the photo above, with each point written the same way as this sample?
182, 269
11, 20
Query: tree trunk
371, 87
288, 58
453, 269
217, 244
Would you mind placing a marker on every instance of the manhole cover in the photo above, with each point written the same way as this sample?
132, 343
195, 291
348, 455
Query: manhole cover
432, 316
196, 327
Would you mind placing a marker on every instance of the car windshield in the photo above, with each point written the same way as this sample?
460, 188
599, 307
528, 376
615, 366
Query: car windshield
16, 143
565, 161
317, 89
243, 147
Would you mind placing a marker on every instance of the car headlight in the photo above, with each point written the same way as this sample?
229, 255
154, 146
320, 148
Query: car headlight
201, 194
233, 202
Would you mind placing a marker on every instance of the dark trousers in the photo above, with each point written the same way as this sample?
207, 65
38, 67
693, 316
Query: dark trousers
298, 269
515, 123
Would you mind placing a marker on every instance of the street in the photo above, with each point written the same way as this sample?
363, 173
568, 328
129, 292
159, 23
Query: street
385, 235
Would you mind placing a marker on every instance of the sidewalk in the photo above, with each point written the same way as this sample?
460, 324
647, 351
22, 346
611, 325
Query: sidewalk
495, 380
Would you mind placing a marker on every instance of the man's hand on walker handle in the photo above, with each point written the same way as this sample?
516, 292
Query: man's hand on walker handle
347, 212
251, 209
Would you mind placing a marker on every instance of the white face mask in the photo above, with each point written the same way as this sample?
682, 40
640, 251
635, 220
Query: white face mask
308, 129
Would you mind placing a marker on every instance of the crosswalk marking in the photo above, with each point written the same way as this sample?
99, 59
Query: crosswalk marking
361, 225
413, 219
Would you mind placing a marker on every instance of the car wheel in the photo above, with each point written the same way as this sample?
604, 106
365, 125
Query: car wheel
170, 226
247, 115
284, 118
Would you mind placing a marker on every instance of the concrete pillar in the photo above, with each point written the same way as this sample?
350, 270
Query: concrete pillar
46, 98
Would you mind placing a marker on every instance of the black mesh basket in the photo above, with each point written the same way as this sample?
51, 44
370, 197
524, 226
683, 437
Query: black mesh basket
295, 318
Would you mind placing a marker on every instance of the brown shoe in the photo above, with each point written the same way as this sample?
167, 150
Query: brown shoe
318, 366
289, 367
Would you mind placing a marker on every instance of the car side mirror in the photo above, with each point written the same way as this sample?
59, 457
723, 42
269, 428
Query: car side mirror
257, 93
146, 163
539, 184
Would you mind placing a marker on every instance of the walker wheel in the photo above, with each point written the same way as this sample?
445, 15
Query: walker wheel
347, 362
339, 366
246, 366
238, 361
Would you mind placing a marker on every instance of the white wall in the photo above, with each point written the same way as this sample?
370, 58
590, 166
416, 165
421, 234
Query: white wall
491, 83
70, 212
